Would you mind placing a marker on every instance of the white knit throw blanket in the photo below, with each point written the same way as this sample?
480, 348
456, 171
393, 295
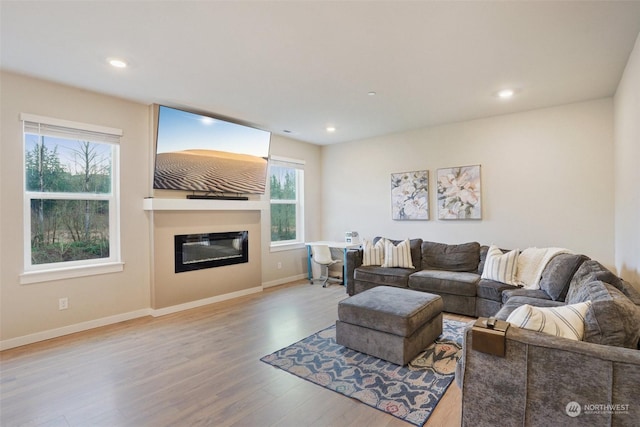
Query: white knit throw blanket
531, 264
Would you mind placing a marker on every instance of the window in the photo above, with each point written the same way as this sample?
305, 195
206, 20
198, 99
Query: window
286, 184
71, 212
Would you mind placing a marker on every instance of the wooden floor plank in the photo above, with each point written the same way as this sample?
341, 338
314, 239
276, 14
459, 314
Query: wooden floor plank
196, 367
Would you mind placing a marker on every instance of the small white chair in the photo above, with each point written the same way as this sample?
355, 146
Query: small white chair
321, 255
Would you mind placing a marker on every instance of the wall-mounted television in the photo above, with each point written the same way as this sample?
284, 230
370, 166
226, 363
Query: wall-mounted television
209, 156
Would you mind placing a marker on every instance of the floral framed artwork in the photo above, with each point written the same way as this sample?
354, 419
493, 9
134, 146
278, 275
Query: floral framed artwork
410, 195
459, 195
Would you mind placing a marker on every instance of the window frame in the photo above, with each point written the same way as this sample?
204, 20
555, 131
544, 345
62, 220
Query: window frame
298, 165
35, 273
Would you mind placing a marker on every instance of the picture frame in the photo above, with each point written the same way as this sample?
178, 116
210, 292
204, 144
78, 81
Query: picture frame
410, 195
459, 193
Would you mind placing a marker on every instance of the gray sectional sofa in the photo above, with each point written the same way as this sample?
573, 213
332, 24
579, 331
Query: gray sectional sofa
542, 379
454, 272
546, 380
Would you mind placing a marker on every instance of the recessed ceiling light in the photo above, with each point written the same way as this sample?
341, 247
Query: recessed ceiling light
506, 93
331, 129
372, 93
118, 63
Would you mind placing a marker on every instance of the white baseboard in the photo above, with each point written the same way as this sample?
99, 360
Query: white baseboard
199, 303
91, 324
71, 329
284, 280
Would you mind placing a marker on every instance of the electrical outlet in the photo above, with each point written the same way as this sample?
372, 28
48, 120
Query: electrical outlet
279, 265
63, 303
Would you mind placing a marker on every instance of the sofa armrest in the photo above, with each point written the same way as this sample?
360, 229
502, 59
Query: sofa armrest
354, 260
541, 375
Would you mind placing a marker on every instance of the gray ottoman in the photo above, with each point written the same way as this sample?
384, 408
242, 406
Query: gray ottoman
390, 323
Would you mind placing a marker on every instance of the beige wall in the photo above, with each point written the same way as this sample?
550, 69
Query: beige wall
547, 180
627, 170
294, 262
33, 308
170, 288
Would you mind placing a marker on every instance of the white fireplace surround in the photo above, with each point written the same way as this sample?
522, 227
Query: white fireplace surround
153, 204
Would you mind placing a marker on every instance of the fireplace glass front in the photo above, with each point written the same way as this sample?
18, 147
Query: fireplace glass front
208, 250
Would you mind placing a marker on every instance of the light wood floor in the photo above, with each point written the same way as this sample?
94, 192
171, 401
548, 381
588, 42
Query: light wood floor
194, 368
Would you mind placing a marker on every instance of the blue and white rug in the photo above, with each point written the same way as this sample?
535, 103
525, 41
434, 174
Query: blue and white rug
407, 392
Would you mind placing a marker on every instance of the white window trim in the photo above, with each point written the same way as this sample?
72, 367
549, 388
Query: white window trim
286, 247
25, 117
52, 274
57, 271
298, 243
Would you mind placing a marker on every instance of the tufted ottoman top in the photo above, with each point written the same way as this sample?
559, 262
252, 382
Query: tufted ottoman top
394, 310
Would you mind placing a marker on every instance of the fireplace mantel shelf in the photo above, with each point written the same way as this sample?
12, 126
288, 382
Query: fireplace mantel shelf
151, 204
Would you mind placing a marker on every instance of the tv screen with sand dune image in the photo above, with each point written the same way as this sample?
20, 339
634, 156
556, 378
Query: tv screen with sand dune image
207, 155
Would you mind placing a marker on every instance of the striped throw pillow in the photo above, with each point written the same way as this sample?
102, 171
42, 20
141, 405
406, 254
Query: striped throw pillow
397, 256
501, 267
565, 321
373, 254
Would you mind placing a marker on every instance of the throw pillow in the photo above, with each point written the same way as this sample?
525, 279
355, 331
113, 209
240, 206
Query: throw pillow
557, 274
500, 267
372, 254
397, 256
565, 321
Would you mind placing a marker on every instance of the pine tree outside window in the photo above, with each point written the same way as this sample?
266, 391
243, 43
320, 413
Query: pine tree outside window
286, 184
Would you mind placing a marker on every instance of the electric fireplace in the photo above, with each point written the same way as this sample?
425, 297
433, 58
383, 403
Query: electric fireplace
208, 250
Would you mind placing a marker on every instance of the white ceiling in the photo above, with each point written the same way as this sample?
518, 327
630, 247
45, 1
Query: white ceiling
304, 65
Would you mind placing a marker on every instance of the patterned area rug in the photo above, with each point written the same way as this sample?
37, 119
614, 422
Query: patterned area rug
407, 392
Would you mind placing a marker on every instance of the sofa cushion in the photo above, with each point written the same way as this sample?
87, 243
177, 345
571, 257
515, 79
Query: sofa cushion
397, 255
565, 321
483, 257
446, 282
557, 274
416, 250
612, 319
522, 292
517, 301
499, 266
630, 291
486, 307
591, 270
441, 256
490, 289
397, 277
372, 254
